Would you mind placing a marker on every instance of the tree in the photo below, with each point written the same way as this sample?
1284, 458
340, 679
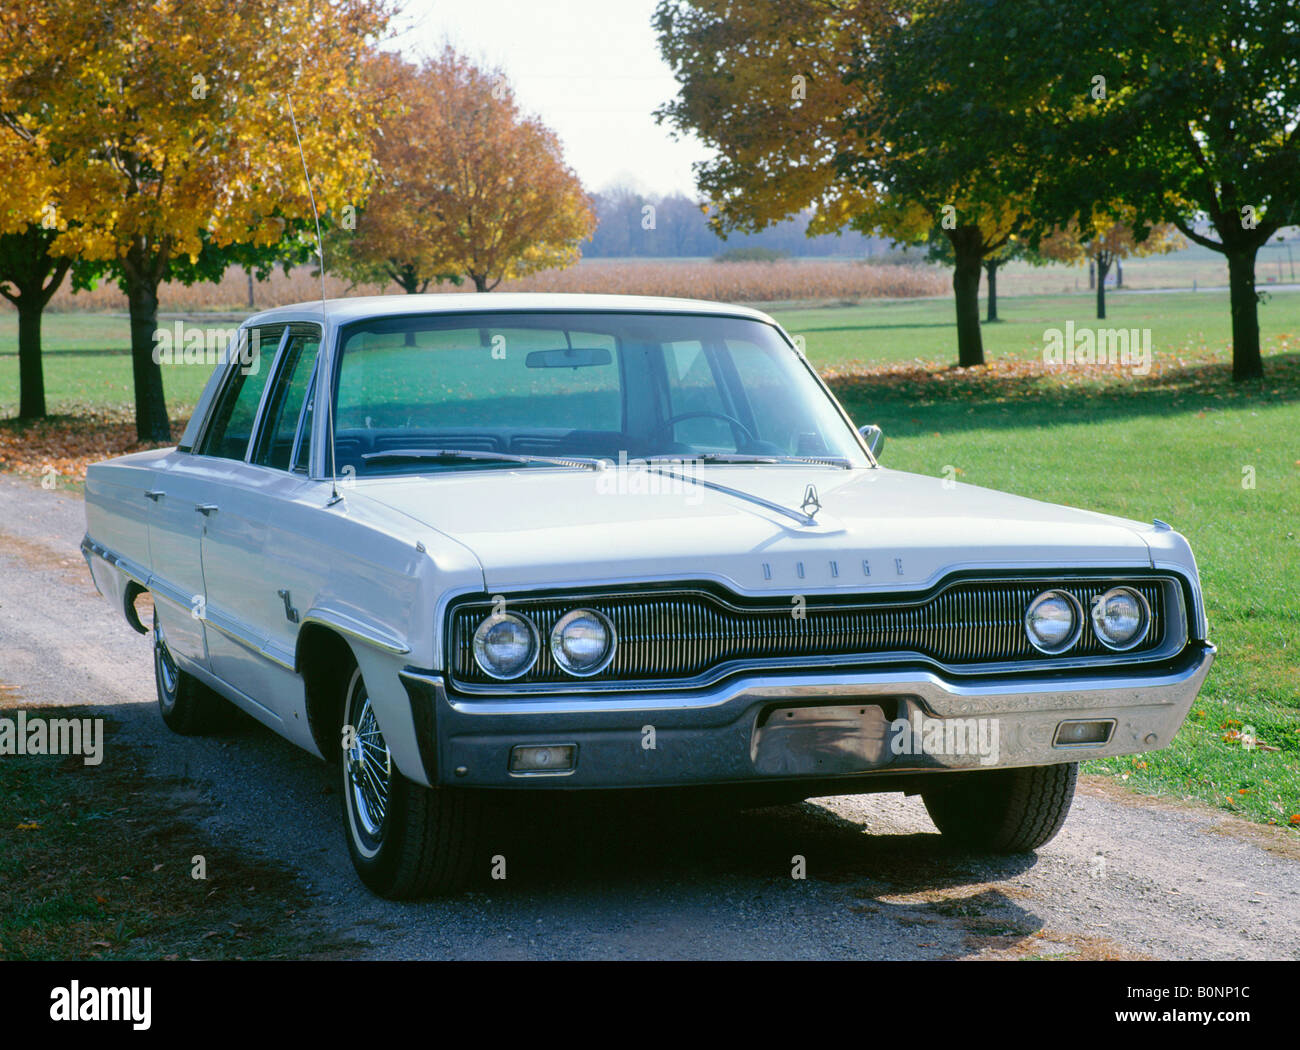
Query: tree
840, 106
1185, 110
468, 184
1104, 241
170, 123
29, 275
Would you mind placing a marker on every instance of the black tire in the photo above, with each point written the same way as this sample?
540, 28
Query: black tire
1003, 810
423, 841
187, 706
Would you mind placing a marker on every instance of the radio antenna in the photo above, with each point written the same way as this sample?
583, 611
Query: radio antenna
320, 255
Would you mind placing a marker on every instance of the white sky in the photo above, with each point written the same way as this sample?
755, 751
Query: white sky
590, 69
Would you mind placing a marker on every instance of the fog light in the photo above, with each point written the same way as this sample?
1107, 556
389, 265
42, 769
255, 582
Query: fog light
1083, 734
543, 758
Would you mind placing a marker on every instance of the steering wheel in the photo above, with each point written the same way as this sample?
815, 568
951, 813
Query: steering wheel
736, 425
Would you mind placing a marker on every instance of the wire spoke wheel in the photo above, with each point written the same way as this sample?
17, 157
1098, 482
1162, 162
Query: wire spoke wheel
368, 768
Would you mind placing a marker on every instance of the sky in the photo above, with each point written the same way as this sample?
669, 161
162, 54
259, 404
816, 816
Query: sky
590, 69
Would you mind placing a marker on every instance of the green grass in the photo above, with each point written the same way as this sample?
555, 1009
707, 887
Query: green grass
1171, 445
841, 337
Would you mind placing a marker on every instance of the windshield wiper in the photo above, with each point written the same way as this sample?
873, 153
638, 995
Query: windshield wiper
460, 455
745, 457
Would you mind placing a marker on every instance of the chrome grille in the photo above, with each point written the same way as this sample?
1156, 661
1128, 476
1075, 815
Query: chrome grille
692, 635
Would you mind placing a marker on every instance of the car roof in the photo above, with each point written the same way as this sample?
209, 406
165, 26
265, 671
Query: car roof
341, 311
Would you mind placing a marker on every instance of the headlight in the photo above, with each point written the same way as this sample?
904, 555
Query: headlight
1053, 622
505, 645
1120, 618
583, 642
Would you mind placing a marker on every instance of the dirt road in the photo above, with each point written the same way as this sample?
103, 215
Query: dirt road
1127, 877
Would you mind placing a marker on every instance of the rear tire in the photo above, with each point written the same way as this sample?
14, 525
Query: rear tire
1003, 810
187, 706
405, 840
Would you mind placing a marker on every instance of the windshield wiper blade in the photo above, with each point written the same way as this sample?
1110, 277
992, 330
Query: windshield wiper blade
458, 455
711, 457
745, 457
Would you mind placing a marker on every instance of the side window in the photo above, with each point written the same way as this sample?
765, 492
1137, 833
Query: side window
284, 408
231, 427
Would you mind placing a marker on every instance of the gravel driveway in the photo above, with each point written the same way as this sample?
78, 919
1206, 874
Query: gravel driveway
596, 879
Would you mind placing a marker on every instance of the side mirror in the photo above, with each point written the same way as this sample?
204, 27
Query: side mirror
874, 437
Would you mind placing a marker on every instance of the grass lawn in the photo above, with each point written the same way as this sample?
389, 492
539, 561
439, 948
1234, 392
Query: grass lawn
1191, 324
1182, 444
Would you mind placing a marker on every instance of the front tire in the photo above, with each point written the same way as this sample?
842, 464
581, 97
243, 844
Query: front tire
187, 706
405, 840
1003, 810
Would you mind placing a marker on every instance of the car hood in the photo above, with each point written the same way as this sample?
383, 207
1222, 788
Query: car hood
877, 529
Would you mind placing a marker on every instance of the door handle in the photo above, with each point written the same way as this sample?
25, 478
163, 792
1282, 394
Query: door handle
206, 508
154, 494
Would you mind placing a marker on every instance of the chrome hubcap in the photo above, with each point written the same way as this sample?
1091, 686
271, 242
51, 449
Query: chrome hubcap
370, 769
166, 666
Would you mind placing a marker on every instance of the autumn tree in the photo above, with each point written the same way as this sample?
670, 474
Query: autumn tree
170, 121
1103, 241
834, 104
467, 184
29, 274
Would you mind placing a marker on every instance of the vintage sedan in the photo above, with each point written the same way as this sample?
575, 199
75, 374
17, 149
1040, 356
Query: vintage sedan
464, 544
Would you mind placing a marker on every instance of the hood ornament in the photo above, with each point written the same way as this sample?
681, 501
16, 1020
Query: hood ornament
810, 505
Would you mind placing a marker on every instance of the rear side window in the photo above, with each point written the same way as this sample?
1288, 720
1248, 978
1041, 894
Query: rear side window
284, 408
231, 427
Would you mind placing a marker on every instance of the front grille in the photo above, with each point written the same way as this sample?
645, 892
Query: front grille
692, 635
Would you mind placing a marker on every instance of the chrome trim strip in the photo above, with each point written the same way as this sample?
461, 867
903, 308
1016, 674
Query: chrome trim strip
345, 624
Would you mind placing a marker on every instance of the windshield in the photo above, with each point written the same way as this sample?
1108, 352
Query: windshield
415, 392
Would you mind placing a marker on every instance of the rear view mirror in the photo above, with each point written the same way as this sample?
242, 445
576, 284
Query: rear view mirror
570, 357
874, 437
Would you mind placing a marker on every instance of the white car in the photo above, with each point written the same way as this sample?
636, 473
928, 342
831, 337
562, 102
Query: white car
472, 543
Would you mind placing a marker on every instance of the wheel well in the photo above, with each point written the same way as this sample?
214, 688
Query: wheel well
325, 661
132, 592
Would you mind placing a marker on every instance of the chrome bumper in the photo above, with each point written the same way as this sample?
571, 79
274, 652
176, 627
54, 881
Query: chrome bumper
799, 726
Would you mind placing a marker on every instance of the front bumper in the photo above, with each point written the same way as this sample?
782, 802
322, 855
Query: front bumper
791, 727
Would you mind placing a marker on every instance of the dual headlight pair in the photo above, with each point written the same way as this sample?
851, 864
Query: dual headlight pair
1054, 620
506, 644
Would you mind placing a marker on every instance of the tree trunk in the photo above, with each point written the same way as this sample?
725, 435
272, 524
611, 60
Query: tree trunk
991, 270
1119, 273
150, 408
31, 373
250, 287
1246, 360
1103, 267
1092, 275
967, 248
480, 282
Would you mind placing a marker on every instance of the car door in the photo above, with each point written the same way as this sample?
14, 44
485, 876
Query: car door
189, 492
248, 605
